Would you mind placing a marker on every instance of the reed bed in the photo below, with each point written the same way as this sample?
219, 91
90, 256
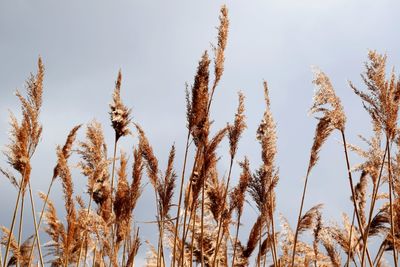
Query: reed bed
198, 211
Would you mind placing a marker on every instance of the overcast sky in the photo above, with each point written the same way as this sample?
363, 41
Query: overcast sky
157, 45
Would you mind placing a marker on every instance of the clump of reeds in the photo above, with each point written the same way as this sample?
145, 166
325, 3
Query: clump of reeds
100, 226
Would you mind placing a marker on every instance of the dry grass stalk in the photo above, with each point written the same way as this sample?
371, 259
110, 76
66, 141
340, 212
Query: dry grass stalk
265, 179
382, 103
237, 201
109, 234
327, 103
234, 133
24, 139
219, 51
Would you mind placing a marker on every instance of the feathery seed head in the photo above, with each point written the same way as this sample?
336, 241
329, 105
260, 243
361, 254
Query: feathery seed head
325, 95
235, 131
220, 49
198, 122
120, 114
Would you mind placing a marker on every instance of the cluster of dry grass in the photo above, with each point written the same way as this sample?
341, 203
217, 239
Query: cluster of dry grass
202, 227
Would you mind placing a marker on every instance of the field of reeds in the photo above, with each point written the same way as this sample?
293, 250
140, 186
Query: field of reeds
197, 209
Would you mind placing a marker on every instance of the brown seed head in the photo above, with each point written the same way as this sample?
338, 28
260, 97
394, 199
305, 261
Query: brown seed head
197, 113
220, 49
382, 99
235, 131
119, 113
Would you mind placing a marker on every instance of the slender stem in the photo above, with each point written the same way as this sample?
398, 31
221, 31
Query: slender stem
186, 232
265, 260
94, 256
21, 218
180, 199
159, 222
211, 97
112, 189
391, 204
161, 235
192, 244
124, 252
35, 224
12, 223
203, 185
187, 206
349, 253
202, 221
353, 194
380, 253
372, 206
113, 164
259, 244
220, 221
274, 253
189, 221
85, 233
299, 217
40, 220
236, 238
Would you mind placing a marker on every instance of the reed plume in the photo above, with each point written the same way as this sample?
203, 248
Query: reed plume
120, 115
333, 117
24, 138
265, 179
382, 103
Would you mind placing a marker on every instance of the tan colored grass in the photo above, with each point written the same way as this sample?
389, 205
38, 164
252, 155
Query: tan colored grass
209, 209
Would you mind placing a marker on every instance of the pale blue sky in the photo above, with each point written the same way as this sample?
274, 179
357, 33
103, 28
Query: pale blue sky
157, 44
